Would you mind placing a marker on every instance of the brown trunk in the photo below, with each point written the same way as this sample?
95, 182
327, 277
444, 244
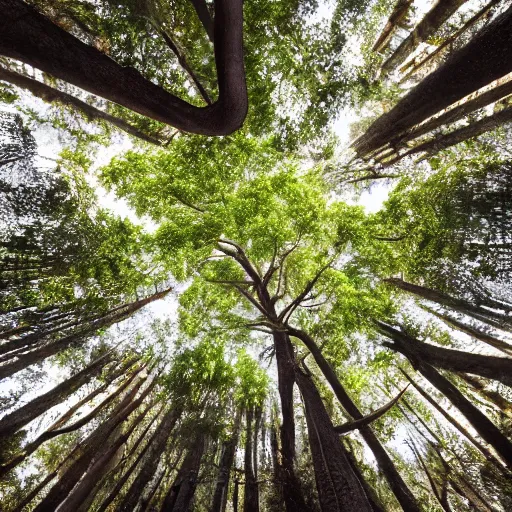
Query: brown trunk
182, 490
204, 17
386, 465
226, 462
487, 57
337, 485
490, 367
51, 95
28, 36
399, 12
158, 443
427, 27
17, 419
485, 428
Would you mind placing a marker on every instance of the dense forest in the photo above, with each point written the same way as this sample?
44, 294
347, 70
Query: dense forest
256, 255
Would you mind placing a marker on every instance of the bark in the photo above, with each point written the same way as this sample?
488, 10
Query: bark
100, 467
235, 496
472, 331
427, 27
95, 440
474, 129
51, 95
479, 313
52, 348
158, 443
226, 462
204, 17
386, 465
399, 13
490, 367
251, 497
337, 485
30, 37
17, 419
114, 493
182, 490
449, 40
487, 57
504, 405
290, 485
485, 428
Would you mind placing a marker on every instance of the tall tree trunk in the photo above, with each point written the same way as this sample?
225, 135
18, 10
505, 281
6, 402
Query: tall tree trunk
485, 428
28, 36
95, 440
114, 493
493, 318
251, 497
338, 487
226, 462
53, 347
386, 465
491, 367
182, 490
449, 40
427, 27
487, 57
291, 489
17, 419
146, 472
100, 466
51, 95
400, 11
472, 331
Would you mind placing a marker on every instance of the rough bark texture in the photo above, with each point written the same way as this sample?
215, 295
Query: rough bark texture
251, 496
491, 367
338, 487
434, 18
487, 57
386, 465
52, 95
28, 36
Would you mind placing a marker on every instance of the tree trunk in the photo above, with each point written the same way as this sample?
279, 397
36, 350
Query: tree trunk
182, 490
474, 129
100, 466
95, 440
51, 95
251, 497
28, 36
493, 318
338, 487
472, 331
399, 12
17, 419
487, 57
490, 367
158, 444
226, 462
386, 465
485, 428
427, 27
121, 481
